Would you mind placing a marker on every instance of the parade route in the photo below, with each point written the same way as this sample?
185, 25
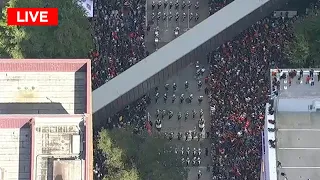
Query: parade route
167, 26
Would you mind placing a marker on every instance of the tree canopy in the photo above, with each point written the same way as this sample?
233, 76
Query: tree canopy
70, 39
138, 157
304, 50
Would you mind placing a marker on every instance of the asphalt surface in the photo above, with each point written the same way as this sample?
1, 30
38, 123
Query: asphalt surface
166, 26
166, 29
175, 125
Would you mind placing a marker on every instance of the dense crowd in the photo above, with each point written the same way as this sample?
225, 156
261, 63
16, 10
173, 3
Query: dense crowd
119, 37
216, 5
237, 87
239, 90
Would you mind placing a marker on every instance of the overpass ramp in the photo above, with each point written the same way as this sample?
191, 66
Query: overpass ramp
192, 46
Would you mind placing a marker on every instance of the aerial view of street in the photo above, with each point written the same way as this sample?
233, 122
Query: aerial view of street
159, 89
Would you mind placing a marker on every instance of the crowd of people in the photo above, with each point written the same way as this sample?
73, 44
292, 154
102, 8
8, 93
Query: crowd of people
238, 91
237, 87
216, 5
119, 38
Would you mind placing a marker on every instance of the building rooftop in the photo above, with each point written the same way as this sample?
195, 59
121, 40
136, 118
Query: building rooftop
15, 144
299, 89
67, 169
57, 144
45, 119
42, 92
297, 149
297, 125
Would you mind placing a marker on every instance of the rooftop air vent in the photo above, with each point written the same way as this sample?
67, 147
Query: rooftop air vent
315, 106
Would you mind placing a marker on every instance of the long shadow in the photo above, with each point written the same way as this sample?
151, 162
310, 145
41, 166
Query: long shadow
80, 90
133, 144
297, 5
24, 152
32, 108
80, 103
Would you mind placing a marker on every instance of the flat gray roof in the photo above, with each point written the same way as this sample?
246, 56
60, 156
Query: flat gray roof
297, 90
295, 104
173, 51
299, 96
53, 136
297, 120
297, 127
297, 149
42, 92
15, 153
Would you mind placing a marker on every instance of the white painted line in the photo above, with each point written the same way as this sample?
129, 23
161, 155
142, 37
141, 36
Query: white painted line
299, 148
146, 13
300, 167
299, 130
188, 18
167, 15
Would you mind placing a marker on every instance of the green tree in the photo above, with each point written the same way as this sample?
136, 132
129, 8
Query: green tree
298, 51
304, 50
138, 157
70, 39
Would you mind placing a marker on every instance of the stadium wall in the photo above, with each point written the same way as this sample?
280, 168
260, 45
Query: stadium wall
104, 106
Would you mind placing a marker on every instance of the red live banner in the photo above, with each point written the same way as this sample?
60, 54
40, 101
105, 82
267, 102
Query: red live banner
32, 16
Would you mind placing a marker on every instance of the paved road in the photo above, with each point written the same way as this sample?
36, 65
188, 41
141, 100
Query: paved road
173, 125
166, 26
182, 125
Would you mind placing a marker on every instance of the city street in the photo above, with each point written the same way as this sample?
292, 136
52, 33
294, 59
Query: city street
167, 26
175, 125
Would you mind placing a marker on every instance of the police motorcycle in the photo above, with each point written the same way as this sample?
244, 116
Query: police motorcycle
156, 36
165, 3
196, 18
170, 16
159, 4
159, 16
176, 31
153, 16
164, 17
190, 16
170, 4
197, 5
177, 16
184, 16
158, 125
183, 5
201, 124
176, 4
153, 5
189, 4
